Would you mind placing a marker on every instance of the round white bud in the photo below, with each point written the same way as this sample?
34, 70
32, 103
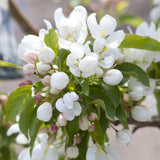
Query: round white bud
84, 123
113, 77
30, 56
61, 121
124, 136
46, 80
59, 80
44, 112
140, 114
73, 151
28, 69
43, 68
46, 55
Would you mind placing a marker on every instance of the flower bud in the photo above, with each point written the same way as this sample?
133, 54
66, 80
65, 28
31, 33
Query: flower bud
3, 99
93, 116
38, 98
140, 114
73, 151
46, 80
46, 55
53, 128
30, 56
84, 123
77, 139
113, 77
42, 68
91, 127
44, 112
61, 121
59, 80
28, 69
27, 82
55, 91
124, 136
51, 139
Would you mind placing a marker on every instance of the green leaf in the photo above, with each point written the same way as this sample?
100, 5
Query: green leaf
51, 40
130, 69
72, 127
85, 87
154, 70
38, 87
113, 92
139, 42
103, 99
157, 95
7, 64
63, 53
130, 20
17, 101
24, 121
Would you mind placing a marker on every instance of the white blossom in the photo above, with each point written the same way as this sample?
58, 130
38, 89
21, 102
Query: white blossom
124, 136
140, 114
71, 29
59, 80
44, 112
73, 151
28, 69
113, 77
68, 106
42, 68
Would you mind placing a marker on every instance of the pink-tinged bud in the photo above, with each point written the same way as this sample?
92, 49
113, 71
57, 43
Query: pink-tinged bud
27, 82
77, 139
61, 121
55, 91
51, 139
43, 68
46, 80
28, 69
30, 56
73, 151
53, 128
3, 99
92, 127
93, 116
38, 98
84, 123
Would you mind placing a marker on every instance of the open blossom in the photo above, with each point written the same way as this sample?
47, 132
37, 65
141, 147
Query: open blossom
71, 29
59, 80
69, 106
140, 114
124, 136
44, 112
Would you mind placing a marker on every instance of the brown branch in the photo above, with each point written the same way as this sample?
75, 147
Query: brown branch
26, 25
139, 124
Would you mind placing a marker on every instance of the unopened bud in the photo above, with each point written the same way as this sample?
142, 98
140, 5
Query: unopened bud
55, 91
93, 116
84, 123
38, 98
27, 82
77, 139
46, 80
53, 128
91, 127
3, 99
30, 56
28, 69
73, 151
51, 139
43, 68
61, 121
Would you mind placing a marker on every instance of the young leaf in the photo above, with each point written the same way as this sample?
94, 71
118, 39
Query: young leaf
24, 121
17, 101
38, 87
7, 64
85, 87
139, 42
130, 69
51, 40
97, 93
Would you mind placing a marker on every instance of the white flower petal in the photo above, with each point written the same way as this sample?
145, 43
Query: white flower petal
74, 96
142, 29
60, 105
91, 153
52, 153
115, 39
78, 49
87, 49
98, 45
107, 62
21, 139
13, 129
48, 24
68, 114
63, 43
77, 109
75, 71
68, 101
24, 154
112, 51
155, 13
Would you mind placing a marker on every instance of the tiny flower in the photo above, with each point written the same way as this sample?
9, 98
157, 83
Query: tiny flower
91, 127
124, 136
77, 139
44, 112
84, 123
140, 114
59, 80
42, 68
113, 77
46, 55
38, 98
46, 80
28, 69
53, 128
73, 151
93, 116
55, 91
61, 120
